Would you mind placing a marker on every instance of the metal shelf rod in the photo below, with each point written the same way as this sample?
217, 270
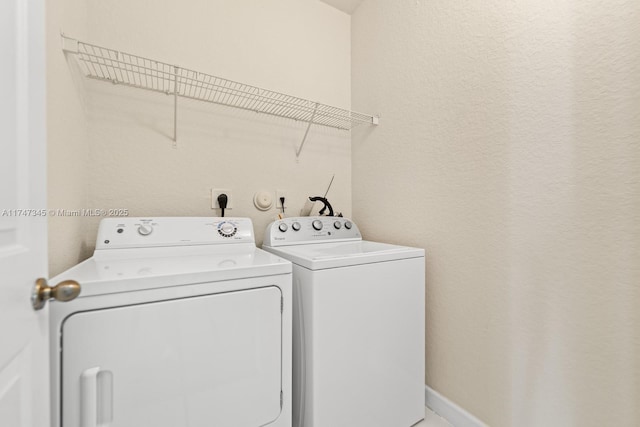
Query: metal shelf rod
175, 107
306, 132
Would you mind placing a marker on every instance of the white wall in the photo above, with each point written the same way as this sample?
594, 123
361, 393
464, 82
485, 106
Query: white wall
297, 47
509, 149
67, 145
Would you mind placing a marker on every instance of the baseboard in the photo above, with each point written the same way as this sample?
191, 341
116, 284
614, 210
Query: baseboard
454, 414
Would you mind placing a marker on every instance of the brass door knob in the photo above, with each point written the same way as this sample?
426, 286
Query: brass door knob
63, 291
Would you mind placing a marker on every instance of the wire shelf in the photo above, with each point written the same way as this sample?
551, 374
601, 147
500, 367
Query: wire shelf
136, 71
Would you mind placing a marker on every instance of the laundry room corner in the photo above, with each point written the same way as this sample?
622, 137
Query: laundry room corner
134, 164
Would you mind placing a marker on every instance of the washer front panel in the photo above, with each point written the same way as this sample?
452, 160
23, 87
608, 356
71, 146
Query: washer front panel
359, 347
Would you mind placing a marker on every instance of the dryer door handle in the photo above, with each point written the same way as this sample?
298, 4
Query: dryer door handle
96, 397
89, 397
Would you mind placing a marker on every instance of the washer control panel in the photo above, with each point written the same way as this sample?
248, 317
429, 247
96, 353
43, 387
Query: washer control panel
119, 233
310, 229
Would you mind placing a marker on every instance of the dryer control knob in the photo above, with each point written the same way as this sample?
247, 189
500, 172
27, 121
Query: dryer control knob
347, 225
296, 226
317, 224
337, 225
227, 229
145, 229
283, 227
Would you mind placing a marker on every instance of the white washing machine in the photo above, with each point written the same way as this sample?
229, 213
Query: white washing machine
359, 325
180, 322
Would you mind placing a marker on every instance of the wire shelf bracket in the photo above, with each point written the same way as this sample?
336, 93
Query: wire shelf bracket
118, 67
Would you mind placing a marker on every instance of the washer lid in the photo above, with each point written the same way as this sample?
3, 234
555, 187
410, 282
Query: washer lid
127, 270
342, 254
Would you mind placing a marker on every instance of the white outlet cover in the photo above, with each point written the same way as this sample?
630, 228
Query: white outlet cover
281, 193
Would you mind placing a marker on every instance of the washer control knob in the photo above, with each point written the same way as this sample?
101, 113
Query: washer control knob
296, 226
337, 225
145, 229
347, 225
317, 224
283, 227
227, 229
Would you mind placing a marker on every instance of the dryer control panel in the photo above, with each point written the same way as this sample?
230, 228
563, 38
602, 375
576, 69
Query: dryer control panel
310, 229
121, 233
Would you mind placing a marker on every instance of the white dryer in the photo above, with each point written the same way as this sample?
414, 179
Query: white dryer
359, 325
180, 322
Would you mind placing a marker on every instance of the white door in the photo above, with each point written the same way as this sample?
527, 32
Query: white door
24, 359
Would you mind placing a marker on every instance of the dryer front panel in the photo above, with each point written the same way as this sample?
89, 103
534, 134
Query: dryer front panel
213, 360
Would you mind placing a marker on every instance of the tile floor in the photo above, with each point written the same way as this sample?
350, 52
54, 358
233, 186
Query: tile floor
431, 419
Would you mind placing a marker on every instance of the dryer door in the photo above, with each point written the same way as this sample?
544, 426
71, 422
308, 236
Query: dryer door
211, 360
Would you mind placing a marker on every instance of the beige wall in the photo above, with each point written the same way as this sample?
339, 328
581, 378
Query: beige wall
67, 148
296, 47
509, 148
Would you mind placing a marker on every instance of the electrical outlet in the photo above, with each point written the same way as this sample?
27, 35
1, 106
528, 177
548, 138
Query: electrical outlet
281, 193
215, 192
